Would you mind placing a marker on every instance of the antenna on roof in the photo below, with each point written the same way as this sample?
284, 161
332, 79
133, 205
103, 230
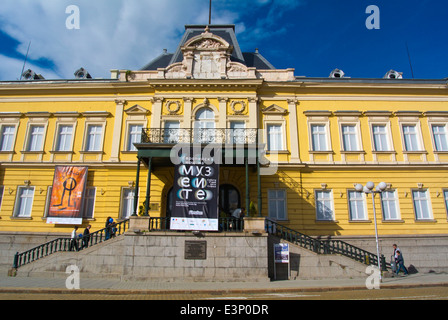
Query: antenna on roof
210, 13
410, 63
24, 63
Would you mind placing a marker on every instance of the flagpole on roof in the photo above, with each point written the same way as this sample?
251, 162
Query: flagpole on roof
210, 13
26, 58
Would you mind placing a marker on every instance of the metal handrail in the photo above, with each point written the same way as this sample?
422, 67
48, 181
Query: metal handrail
328, 246
199, 135
65, 244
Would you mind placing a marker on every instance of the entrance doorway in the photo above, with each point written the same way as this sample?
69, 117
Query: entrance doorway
229, 199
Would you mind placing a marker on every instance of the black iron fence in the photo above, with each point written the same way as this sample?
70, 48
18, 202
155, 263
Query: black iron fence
324, 246
200, 135
67, 244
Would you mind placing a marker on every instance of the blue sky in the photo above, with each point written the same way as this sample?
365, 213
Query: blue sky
311, 36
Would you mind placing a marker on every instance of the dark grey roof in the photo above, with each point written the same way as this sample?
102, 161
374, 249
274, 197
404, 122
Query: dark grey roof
161, 61
227, 32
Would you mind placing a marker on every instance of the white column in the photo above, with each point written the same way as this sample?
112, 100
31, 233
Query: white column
293, 131
118, 123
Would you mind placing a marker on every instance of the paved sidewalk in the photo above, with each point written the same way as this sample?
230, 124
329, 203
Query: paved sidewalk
108, 286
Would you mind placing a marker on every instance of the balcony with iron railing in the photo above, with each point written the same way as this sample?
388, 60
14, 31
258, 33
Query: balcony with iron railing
200, 135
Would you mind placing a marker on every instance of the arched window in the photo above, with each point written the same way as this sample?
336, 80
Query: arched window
204, 126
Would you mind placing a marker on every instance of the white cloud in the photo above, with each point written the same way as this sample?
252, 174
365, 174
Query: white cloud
13, 68
118, 34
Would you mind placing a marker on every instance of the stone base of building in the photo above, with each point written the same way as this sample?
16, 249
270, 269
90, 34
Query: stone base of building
226, 256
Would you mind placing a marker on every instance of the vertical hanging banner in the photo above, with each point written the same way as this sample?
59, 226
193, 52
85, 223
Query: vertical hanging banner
195, 193
67, 195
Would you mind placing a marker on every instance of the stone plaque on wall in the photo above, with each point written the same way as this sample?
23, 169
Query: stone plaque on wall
195, 250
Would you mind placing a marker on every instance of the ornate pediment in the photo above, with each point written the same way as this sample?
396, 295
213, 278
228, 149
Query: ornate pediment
136, 110
207, 56
206, 41
274, 109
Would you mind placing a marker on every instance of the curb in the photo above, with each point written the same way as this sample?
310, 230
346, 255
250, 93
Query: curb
209, 291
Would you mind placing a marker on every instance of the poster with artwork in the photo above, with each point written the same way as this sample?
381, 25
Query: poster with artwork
67, 195
195, 194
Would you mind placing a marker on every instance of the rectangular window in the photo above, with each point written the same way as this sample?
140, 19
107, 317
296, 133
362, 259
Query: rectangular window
422, 206
7, 138
410, 138
357, 205
277, 204
134, 136
275, 137
324, 205
380, 139
440, 137
445, 196
127, 203
389, 203
36, 138
2, 188
172, 129
349, 138
94, 137
65, 134
319, 137
24, 202
237, 132
89, 203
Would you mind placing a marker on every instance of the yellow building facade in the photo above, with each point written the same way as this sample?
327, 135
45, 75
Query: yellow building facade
317, 138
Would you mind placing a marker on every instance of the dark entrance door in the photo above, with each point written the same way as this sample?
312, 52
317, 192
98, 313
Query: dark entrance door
229, 199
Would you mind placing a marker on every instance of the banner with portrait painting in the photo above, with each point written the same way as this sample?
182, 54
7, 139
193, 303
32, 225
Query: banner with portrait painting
67, 195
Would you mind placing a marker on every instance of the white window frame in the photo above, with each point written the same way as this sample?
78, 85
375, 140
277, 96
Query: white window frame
58, 135
18, 202
171, 138
12, 137
204, 129
86, 146
132, 137
237, 135
32, 135
327, 136
417, 204
318, 203
386, 205
418, 136
360, 196
274, 215
35, 119
129, 200
387, 133
10, 119
282, 137
435, 139
356, 134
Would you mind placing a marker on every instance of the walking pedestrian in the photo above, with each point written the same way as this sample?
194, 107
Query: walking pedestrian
74, 240
400, 263
86, 237
108, 228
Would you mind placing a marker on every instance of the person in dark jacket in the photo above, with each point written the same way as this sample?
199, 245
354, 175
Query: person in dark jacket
400, 263
86, 237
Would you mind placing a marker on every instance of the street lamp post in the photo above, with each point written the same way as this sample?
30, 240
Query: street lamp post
368, 188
